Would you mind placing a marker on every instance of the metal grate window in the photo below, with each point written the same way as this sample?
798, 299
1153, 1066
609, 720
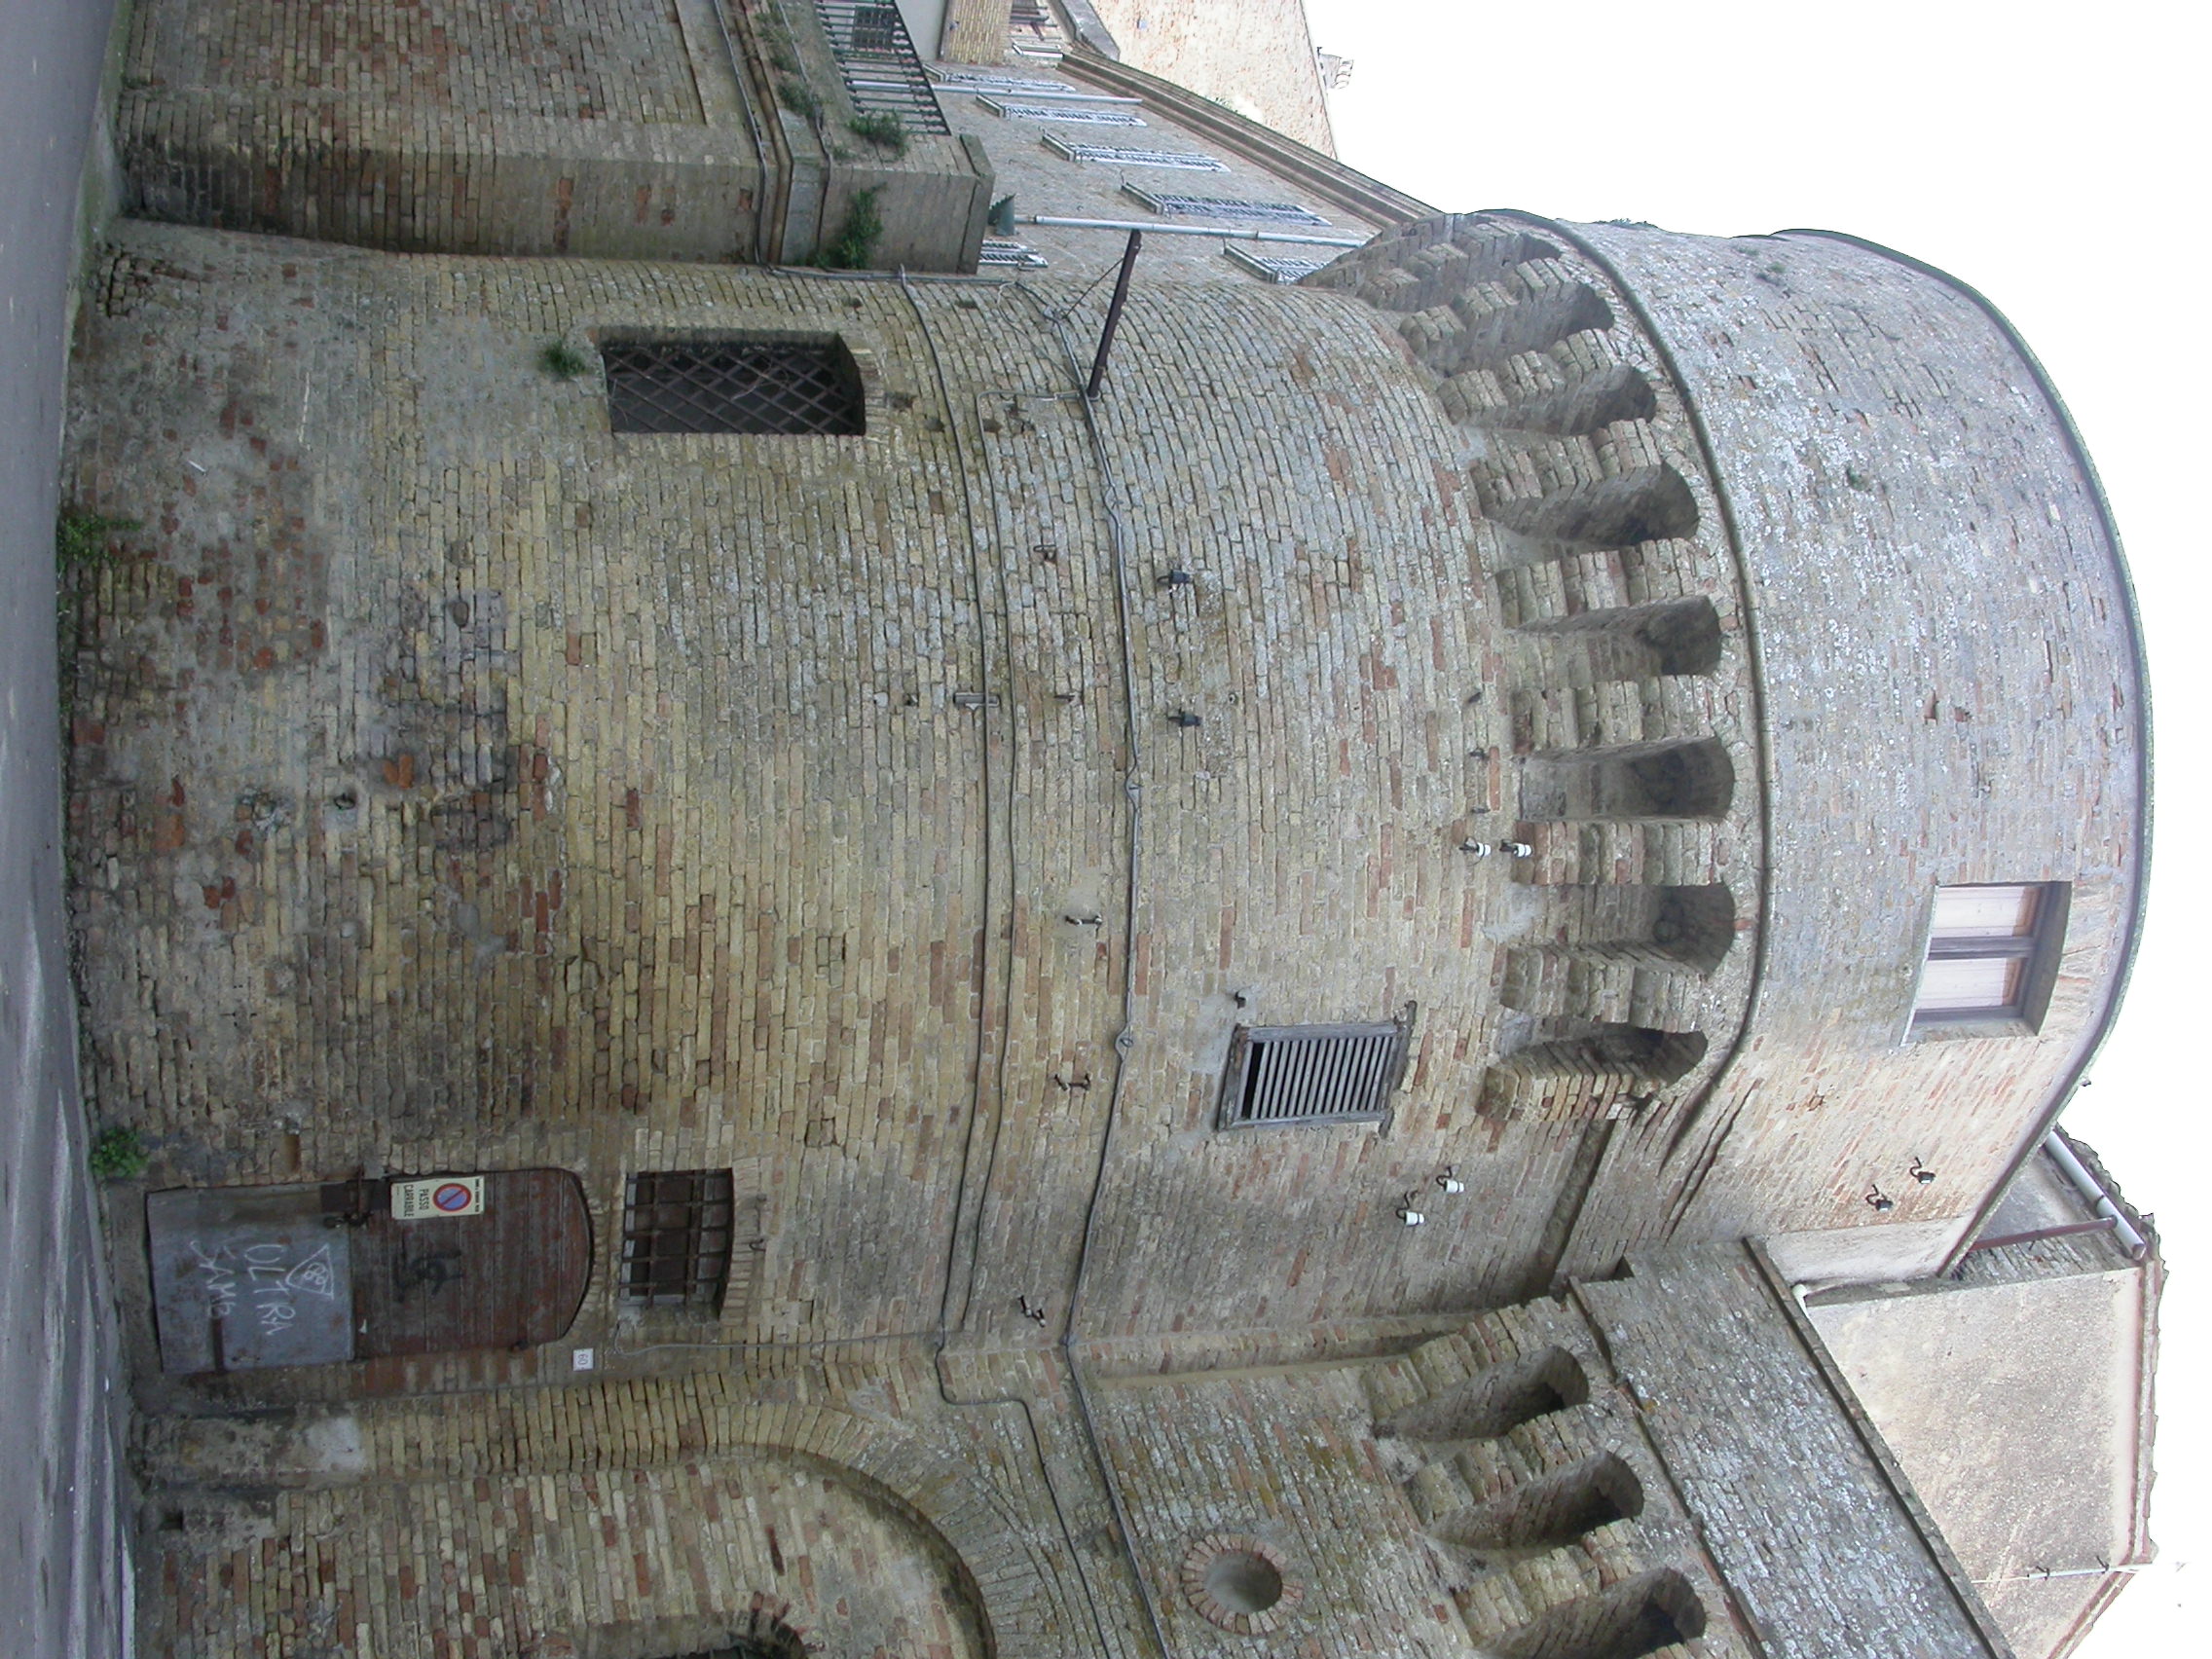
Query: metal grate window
677, 1233
882, 71
1120, 155
1082, 115
745, 383
1019, 255
1309, 1073
1224, 207
1274, 269
979, 81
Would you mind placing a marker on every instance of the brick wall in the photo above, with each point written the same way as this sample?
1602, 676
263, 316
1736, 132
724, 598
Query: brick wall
1951, 693
655, 810
647, 128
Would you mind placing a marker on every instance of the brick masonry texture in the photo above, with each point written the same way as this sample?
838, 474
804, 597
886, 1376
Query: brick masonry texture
644, 1517
471, 126
640, 128
1950, 696
460, 785
1758, 1448
841, 1494
586, 856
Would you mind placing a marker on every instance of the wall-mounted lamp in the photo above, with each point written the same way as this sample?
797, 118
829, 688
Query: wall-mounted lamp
1411, 1216
1879, 1200
1480, 848
1920, 1172
1450, 1181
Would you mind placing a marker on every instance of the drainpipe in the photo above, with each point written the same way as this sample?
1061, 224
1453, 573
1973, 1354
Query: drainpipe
2094, 1193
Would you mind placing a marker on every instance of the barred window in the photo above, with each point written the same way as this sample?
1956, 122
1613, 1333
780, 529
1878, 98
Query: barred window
1223, 207
739, 384
677, 1231
1309, 1073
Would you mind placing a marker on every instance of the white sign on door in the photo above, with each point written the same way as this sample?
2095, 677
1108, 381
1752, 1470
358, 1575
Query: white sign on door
441, 1196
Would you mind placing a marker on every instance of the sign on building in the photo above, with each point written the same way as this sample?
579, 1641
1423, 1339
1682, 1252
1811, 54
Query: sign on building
443, 1196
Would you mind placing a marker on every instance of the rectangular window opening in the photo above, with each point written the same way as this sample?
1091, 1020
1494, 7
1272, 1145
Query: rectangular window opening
741, 383
1124, 155
1019, 255
1270, 266
1070, 114
1223, 207
678, 1227
1311, 1074
1992, 954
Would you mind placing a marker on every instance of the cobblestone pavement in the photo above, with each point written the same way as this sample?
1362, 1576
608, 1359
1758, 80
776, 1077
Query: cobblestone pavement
63, 1563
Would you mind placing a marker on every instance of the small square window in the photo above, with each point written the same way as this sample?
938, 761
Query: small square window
1992, 953
748, 384
1309, 1073
677, 1231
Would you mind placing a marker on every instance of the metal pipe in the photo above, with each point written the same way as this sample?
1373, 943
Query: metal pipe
1114, 314
2090, 1189
1235, 235
2036, 1235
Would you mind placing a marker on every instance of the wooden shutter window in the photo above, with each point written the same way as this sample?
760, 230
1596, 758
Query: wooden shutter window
1311, 1074
1992, 949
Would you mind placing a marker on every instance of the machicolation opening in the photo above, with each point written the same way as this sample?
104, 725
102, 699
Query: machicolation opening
760, 1635
1652, 504
1439, 272
1637, 1616
1552, 1510
1654, 927
1536, 324
1695, 925
1494, 1401
1640, 642
1635, 1053
1680, 780
1590, 405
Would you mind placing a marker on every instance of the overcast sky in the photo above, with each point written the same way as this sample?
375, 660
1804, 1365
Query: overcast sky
2054, 158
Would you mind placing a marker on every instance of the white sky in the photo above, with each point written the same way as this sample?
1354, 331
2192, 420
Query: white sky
2053, 158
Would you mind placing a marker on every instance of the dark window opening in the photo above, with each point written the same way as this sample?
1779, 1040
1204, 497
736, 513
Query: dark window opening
737, 383
1311, 1074
677, 1231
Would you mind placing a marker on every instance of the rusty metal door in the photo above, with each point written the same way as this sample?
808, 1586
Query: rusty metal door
253, 1276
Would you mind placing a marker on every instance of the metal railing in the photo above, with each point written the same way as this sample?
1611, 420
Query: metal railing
882, 71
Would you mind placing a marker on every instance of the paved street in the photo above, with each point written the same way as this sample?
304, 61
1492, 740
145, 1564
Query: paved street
63, 1567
